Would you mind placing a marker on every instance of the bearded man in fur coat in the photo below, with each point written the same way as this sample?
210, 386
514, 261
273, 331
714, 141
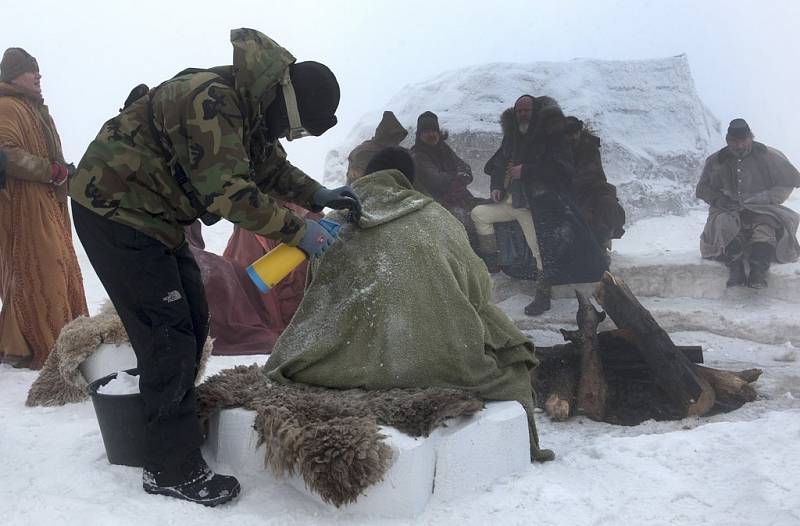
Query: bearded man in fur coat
41, 287
535, 167
745, 184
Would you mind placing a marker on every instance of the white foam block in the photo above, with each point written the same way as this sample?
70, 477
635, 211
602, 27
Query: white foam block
108, 358
467, 455
473, 452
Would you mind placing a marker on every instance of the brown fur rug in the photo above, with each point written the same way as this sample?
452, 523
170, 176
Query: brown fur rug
330, 437
60, 381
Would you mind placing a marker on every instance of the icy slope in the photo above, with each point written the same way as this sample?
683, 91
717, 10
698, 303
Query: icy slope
656, 132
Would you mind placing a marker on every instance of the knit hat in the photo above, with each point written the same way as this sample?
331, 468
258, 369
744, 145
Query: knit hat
317, 92
427, 121
392, 158
16, 61
739, 129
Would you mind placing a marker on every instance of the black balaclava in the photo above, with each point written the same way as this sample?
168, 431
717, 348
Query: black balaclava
317, 92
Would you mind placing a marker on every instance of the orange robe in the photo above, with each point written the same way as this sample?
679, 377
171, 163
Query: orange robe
41, 287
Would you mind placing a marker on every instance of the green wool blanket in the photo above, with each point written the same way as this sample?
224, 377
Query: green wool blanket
402, 301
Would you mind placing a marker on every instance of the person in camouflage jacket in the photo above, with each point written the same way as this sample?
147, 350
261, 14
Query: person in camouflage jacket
203, 144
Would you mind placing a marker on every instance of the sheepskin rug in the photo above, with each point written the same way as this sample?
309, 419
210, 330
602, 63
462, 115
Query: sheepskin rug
330, 437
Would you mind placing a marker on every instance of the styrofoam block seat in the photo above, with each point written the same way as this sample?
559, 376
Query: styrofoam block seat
108, 358
465, 456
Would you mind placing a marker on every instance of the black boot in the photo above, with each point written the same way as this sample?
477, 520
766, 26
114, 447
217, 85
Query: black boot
487, 245
541, 299
736, 276
491, 263
198, 484
761, 255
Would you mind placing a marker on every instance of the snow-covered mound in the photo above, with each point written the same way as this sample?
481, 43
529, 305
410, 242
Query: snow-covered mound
655, 130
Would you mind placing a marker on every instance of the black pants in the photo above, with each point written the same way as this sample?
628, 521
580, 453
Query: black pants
159, 296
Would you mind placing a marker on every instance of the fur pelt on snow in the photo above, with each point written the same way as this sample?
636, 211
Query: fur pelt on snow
60, 381
329, 436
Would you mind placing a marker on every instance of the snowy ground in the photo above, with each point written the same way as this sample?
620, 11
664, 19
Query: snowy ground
740, 468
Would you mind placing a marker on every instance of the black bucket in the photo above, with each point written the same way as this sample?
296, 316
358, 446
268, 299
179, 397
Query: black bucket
121, 419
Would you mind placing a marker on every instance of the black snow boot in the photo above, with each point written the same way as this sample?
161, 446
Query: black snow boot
736, 274
761, 255
541, 300
487, 245
200, 484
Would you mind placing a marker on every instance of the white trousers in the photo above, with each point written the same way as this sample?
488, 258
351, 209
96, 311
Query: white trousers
485, 216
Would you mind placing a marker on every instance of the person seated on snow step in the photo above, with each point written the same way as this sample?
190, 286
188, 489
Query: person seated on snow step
442, 174
594, 195
388, 133
532, 183
404, 302
203, 144
745, 183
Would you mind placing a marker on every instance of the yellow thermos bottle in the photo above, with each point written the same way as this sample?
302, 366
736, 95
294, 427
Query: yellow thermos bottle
268, 270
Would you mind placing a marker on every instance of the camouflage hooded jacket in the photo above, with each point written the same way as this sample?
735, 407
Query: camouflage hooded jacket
213, 129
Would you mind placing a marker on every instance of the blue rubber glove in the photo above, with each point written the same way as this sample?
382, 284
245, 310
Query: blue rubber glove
316, 240
338, 199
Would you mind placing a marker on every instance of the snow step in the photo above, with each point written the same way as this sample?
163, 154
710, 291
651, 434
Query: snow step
464, 457
679, 276
683, 276
755, 319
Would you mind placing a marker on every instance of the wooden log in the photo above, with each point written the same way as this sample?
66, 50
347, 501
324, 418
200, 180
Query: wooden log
671, 370
731, 389
620, 344
592, 386
750, 375
556, 379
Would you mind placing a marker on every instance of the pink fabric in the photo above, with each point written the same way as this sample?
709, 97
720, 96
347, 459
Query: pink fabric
280, 304
239, 322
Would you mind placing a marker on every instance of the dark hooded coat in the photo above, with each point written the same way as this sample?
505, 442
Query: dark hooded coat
388, 133
594, 195
569, 251
442, 174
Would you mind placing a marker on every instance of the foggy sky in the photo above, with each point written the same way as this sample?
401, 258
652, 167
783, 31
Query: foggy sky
744, 55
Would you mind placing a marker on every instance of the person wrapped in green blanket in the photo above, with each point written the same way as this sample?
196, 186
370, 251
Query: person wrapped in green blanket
402, 301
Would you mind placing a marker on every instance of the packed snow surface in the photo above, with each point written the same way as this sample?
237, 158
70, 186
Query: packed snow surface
738, 468
122, 384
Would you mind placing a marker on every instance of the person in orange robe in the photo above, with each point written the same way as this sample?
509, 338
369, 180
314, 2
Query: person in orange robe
41, 287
